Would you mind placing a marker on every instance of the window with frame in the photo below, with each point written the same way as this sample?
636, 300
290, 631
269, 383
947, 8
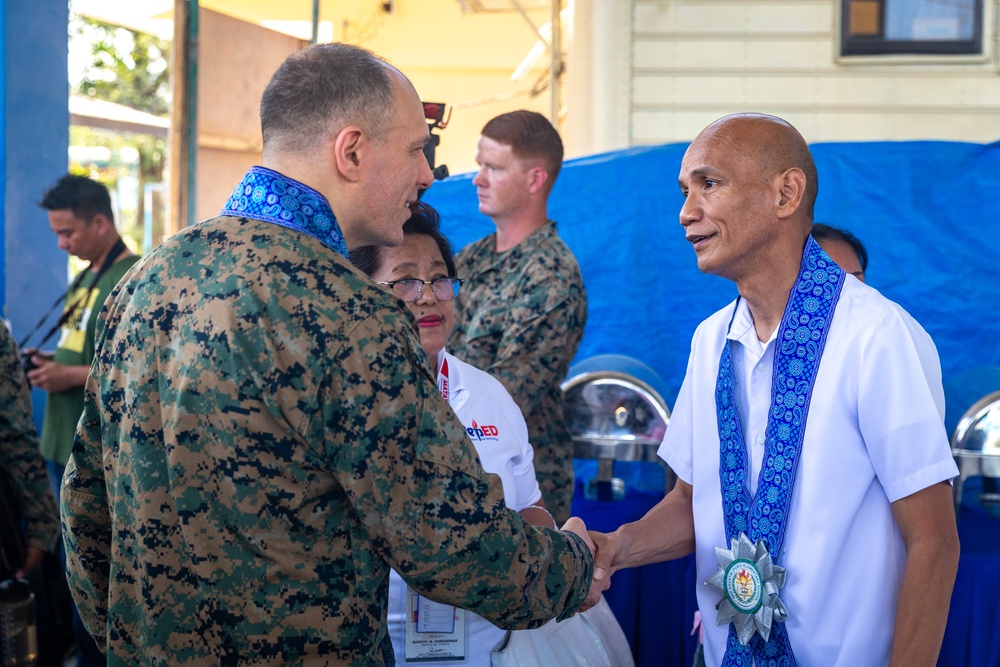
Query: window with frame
889, 27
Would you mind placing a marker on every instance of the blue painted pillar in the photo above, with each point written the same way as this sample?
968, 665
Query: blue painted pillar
34, 143
34, 146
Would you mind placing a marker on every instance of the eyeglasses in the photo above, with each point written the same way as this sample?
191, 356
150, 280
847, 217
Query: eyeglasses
410, 289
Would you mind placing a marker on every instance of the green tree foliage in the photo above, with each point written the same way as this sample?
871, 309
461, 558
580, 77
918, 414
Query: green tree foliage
127, 67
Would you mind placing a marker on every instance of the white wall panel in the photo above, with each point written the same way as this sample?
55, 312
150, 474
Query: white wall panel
695, 17
696, 60
737, 54
862, 93
656, 127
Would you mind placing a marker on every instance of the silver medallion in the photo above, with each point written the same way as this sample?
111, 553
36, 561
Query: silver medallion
749, 582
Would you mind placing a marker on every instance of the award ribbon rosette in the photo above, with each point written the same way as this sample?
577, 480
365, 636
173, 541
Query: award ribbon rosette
749, 578
749, 582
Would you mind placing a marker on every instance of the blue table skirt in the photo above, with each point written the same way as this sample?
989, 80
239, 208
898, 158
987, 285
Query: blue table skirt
973, 633
655, 604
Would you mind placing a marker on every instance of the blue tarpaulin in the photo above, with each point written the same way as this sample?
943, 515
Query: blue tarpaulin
928, 212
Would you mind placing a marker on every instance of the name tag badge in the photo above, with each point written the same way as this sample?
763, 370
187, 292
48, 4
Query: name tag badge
434, 631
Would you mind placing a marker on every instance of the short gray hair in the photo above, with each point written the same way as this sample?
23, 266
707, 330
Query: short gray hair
323, 88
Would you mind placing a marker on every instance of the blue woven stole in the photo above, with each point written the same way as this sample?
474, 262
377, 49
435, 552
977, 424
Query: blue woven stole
266, 195
801, 338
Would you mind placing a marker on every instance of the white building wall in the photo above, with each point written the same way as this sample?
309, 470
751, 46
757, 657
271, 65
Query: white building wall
692, 61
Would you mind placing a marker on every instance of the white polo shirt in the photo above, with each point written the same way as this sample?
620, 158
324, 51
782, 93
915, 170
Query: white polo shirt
495, 426
500, 436
873, 436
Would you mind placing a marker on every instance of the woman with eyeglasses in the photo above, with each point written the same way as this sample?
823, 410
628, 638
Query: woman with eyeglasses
421, 272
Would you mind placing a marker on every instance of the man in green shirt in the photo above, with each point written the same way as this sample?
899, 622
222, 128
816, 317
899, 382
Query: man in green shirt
80, 215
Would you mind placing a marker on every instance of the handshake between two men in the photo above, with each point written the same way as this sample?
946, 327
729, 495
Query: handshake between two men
666, 532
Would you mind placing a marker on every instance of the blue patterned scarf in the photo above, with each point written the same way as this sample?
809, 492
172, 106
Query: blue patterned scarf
266, 195
801, 338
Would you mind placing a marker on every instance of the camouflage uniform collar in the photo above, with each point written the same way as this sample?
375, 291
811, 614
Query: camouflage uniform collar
546, 231
543, 233
266, 195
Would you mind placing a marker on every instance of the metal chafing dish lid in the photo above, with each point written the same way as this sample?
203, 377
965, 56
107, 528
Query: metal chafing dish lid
613, 411
978, 431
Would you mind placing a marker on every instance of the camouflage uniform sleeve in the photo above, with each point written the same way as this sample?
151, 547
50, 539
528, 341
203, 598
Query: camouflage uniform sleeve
22, 461
430, 511
84, 499
86, 521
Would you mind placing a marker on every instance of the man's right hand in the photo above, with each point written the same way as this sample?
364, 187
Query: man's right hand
664, 533
608, 558
36, 356
576, 526
55, 377
28, 362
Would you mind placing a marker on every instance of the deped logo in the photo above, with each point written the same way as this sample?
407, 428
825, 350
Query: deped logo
477, 432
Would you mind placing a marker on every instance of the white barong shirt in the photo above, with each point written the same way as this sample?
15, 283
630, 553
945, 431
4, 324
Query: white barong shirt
873, 435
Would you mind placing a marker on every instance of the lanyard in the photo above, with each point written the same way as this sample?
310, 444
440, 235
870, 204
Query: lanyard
112, 257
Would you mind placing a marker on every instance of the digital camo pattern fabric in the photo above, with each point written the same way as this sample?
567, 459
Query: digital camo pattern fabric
520, 317
262, 425
22, 462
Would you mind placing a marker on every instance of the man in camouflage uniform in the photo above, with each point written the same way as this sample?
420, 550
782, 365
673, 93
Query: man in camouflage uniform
522, 309
22, 462
263, 439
